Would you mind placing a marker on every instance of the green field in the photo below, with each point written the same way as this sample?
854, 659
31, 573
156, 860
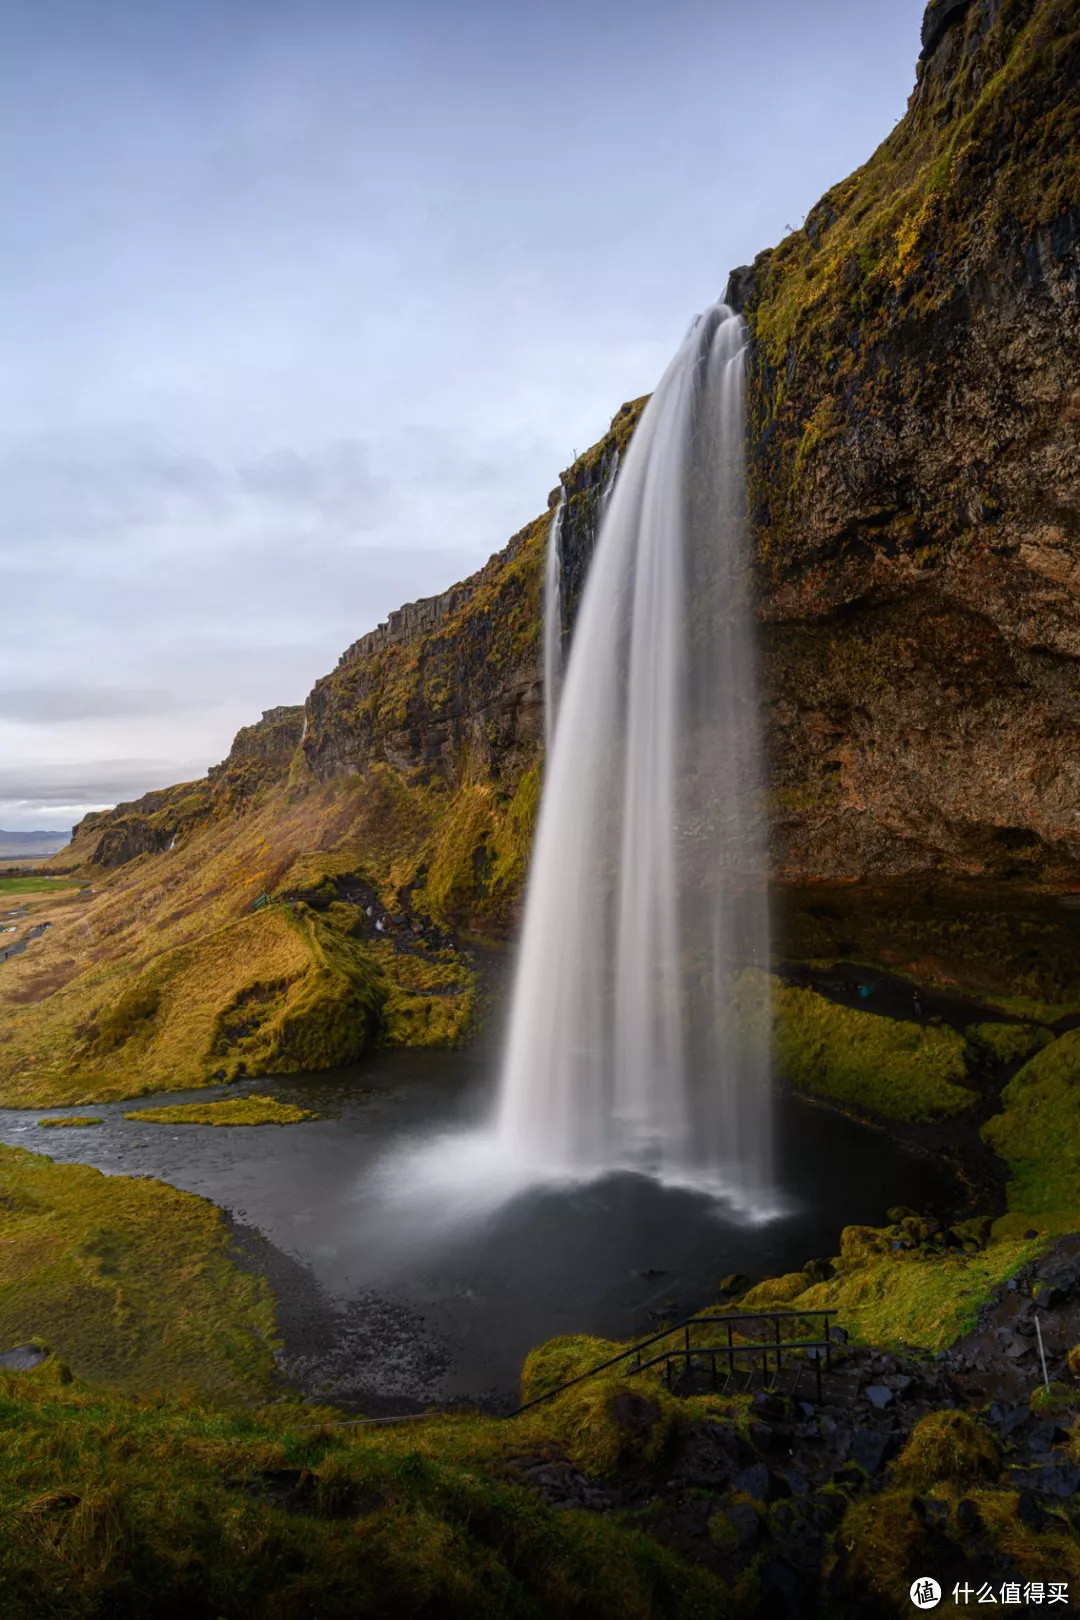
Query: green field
35, 885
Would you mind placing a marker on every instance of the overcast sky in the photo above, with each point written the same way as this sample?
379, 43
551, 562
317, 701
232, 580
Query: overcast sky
304, 304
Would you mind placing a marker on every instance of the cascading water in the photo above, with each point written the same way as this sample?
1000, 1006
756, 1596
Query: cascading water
553, 621
610, 485
637, 1037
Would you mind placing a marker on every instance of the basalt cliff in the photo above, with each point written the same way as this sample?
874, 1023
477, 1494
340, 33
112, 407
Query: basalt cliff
914, 470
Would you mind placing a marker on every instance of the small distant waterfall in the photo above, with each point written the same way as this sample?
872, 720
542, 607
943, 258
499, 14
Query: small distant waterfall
637, 1040
553, 621
610, 485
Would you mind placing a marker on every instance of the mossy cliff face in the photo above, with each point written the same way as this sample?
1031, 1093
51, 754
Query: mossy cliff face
915, 472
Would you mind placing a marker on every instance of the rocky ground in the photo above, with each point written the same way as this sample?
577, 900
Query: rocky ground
768, 1502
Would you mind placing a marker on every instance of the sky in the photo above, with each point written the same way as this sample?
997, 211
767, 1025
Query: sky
304, 305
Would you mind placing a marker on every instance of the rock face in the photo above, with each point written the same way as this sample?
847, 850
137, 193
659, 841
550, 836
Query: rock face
915, 472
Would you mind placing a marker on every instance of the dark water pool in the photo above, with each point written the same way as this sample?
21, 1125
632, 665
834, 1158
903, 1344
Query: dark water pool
390, 1299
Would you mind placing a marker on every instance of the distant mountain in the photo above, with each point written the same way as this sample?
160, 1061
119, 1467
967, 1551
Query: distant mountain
36, 843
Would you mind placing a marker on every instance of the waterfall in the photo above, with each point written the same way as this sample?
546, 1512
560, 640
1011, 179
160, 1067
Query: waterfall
637, 1038
553, 621
605, 498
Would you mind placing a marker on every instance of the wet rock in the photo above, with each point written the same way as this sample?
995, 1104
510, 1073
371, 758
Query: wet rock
753, 1481
1061, 1272
24, 1358
740, 285
869, 1448
968, 1518
783, 1593
1047, 1297
774, 1406
634, 1413
1042, 1434
1013, 1419
745, 1521
708, 1455
1030, 1512
879, 1395
763, 1436
800, 1536
935, 1512
760, 1483
1057, 1479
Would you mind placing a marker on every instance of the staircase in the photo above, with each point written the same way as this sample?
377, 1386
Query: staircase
737, 1353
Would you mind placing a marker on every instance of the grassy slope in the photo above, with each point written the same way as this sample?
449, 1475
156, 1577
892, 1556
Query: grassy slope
121, 1507
131, 1279
1038, 1134
145, 984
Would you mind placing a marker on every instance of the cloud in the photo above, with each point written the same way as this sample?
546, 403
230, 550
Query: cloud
335, 482
65, 486
97, 784
47, 705
122, 485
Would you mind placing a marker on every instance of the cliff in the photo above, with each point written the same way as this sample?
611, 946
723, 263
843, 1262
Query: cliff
915, 472
914, 466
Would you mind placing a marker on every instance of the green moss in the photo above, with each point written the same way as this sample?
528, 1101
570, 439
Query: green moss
1038, 1135
36, 885
130, 1280
63, 1120
775, 1290
907, 1296
230, 1111
881, 1065
1007, 1043
125, 1508
881, 1538
559, 1360
947, 1445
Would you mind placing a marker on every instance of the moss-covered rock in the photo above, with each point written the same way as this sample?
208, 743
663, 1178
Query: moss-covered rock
1038, 1134
229, 1111
949, 1446
879, 1065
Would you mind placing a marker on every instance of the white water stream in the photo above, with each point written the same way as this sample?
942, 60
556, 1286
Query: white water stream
553, 621
636, 1040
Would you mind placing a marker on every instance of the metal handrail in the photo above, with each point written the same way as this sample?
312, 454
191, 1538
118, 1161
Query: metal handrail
686, 1324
